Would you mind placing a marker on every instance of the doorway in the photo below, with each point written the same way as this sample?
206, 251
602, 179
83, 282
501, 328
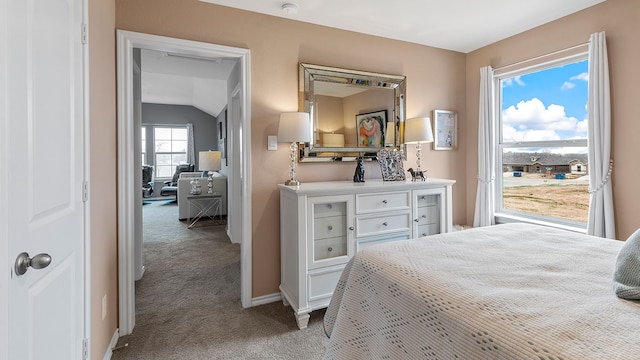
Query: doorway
239, 172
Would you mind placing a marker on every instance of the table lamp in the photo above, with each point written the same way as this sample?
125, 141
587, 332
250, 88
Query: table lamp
209, 161
333, 140
294, 127
418, 131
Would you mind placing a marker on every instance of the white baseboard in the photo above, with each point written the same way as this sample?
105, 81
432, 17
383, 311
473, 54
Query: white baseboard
112, 344
266, 299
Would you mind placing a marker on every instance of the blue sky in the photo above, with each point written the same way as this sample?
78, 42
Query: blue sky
546, 105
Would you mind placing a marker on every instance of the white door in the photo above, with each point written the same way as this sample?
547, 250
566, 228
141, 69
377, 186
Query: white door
41, 192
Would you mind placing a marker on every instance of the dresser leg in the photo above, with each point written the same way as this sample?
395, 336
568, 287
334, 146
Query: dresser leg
303, 320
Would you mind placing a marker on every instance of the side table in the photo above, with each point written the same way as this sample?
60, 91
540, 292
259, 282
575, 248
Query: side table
204, 203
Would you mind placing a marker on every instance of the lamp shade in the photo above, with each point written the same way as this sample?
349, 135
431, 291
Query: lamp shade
333, 140
209, 160
294, 127
418, 130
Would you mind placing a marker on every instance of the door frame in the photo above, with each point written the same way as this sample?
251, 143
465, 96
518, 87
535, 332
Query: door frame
128, 192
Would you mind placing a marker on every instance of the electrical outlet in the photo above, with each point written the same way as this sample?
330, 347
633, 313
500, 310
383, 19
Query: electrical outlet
104, 306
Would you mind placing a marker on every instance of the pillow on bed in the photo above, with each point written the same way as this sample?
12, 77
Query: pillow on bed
627, 272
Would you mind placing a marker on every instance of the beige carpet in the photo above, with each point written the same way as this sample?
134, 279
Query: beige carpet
188, 302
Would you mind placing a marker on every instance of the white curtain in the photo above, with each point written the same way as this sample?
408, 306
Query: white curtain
191, 154
485, 199
601, 220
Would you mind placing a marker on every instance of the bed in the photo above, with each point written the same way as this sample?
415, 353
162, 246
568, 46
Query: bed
512, 291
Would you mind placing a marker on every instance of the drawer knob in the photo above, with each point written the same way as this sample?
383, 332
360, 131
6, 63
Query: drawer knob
385, 223
424, 216
330, 249
329, 206
330, 227
384, 202
416, 220
351, 228
424, 234
423, 198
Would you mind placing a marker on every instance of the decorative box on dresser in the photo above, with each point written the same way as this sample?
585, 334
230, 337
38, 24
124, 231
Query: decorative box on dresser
323, 224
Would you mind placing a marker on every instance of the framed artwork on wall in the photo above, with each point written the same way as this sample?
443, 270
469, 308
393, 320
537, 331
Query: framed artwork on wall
370, 129
445, 130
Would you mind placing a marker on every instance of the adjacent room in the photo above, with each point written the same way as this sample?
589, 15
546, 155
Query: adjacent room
318, 179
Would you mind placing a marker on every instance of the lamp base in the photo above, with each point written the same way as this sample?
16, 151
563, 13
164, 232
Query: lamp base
292, 182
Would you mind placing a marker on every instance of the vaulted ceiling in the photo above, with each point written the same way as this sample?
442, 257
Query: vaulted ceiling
177, 80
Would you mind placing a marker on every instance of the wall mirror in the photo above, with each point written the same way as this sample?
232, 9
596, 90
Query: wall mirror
353, 113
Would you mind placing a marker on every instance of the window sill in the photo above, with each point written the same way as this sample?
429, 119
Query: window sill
502, 218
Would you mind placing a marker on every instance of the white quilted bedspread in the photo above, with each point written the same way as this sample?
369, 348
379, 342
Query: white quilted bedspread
511, 291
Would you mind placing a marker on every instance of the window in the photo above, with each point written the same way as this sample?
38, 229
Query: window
170, 149
143, 139
542, 137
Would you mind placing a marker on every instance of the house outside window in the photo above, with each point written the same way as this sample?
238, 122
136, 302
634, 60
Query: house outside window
542, 142
170, 149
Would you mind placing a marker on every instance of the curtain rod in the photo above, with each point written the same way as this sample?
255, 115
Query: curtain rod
542, 56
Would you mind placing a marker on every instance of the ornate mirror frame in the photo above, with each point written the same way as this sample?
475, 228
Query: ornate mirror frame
312, 78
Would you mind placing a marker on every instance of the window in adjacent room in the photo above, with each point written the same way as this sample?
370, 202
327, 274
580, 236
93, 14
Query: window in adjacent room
542, 142
170, 149
143, 139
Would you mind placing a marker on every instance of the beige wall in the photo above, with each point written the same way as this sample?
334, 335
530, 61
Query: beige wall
619, 19
102, 88
435, 79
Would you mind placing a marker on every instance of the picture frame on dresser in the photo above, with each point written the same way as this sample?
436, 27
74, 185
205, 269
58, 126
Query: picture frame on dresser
445, 130
391, 165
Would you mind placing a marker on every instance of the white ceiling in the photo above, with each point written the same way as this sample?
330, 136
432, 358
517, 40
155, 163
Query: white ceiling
177, 80
459, 25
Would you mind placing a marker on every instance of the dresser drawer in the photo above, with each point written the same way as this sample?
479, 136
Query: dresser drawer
430, 229
368, 203
366, 242
381, 224
328, 227
428, 215
329, 248
329, 209
428, 200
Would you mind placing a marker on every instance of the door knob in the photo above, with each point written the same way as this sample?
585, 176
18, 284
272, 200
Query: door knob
23, 262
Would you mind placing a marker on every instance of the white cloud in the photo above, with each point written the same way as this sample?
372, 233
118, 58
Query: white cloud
531, 120
581, 128
568, 85
510, 81
511, 134
584, 77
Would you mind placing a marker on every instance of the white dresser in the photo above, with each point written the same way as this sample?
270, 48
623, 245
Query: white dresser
323, 224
